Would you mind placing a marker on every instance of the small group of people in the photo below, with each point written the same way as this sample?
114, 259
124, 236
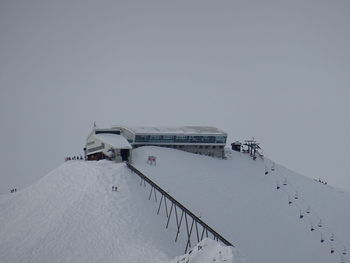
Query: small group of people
13, 190
74, 158
114, 188
321, 181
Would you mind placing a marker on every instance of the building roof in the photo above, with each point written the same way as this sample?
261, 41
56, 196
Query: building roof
175, 130
116, 141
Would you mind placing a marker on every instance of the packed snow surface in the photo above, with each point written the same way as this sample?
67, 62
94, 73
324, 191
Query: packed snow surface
264, 209
72, 215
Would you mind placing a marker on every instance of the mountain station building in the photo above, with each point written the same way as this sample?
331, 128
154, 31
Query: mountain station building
117, 142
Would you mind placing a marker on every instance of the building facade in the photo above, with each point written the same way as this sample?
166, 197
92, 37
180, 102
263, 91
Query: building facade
202, 140
195, 139
107, 144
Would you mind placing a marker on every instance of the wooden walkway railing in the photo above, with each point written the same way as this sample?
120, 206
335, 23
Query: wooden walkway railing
192, 222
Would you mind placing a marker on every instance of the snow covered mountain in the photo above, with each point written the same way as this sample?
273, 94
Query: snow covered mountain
72, 214
238, 199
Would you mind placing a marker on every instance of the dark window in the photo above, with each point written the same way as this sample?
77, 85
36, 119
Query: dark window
108, 131
180, 138
125, 153
142, 138
155, 137
220, 139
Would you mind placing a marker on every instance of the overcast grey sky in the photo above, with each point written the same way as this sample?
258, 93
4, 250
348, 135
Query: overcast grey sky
275, 70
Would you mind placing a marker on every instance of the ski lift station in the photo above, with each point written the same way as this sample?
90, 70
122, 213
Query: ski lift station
116, 143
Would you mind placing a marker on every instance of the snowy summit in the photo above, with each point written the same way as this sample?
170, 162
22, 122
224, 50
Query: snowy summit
98, 211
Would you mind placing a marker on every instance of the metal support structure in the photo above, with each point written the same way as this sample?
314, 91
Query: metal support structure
160, 203
253, 148
155, 196
197, 232
150, 194
202, 236
189, 236
175, 205
171, 209
179, 225
166, 208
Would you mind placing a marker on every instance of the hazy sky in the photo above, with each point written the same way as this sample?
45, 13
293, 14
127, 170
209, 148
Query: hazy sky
275, 70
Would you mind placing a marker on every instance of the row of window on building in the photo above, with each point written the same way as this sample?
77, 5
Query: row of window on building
179, 139
192, 146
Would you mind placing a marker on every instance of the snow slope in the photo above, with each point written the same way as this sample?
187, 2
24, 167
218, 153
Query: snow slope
71, 215
243, 204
